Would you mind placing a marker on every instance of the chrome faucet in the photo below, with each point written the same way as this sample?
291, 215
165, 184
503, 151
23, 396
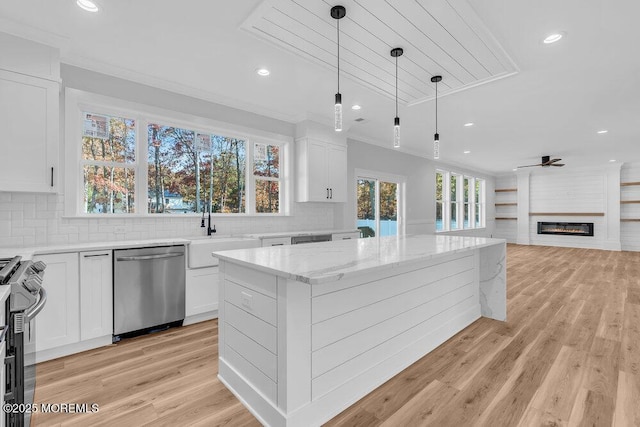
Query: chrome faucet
210, 230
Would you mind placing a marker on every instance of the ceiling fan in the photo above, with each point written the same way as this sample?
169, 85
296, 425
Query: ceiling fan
546, 161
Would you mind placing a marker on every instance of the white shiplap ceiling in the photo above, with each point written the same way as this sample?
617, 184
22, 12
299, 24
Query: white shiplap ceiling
439, 37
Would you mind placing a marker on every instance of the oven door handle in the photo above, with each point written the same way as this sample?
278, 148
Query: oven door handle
33, 311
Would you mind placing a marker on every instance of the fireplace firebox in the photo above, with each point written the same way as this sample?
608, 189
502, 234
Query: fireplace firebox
566, 228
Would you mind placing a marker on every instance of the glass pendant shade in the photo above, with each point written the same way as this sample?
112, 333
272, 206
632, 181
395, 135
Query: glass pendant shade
338, 113
436, 146
396, 132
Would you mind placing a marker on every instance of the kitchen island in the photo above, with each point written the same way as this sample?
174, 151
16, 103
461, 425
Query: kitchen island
305, 331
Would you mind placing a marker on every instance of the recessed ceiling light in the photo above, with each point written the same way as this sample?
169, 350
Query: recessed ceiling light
514, 169
466, 151
552, 38
263, 72
355, 107
602, 131
88, 5
612, 160
468, 124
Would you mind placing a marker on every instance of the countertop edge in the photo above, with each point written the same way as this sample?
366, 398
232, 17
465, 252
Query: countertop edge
332, 277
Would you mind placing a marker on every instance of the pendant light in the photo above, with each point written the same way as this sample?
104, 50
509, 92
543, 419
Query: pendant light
396, 52
337, 13
436, 136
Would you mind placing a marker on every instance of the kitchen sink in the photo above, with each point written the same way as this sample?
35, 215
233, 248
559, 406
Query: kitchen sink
199, 251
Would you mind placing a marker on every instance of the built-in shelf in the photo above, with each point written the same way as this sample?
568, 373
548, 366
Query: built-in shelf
629, 219
505, 218
625, 202
507, 204
505, 190
566, 213
626, 184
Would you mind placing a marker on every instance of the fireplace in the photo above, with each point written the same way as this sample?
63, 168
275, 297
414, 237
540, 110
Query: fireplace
566, 228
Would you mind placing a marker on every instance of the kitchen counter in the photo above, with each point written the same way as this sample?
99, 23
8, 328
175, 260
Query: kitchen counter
299, 233
307, 330
28, 252
330, 261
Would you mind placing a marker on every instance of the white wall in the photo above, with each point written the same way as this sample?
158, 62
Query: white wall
420, 187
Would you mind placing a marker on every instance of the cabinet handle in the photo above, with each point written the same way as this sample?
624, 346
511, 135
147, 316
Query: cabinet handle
327, 193
52, 176
96, 255
277, 244
331, 192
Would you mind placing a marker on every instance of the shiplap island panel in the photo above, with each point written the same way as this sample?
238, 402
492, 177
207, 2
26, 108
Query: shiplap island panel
307, 330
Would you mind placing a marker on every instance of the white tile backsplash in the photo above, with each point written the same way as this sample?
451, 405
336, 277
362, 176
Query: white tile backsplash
36, 220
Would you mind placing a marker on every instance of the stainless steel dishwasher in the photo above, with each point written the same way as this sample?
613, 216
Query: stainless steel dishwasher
148, 289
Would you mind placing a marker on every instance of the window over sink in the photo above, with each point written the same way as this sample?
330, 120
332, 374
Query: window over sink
126, 158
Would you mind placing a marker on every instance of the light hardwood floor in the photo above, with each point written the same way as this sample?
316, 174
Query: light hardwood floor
568, 355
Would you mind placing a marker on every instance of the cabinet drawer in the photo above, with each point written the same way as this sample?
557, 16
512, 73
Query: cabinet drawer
346, 236
276, 241
261, 306
252, 279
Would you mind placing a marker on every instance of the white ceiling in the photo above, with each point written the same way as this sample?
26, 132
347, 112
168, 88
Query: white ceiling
438, 37
561, 95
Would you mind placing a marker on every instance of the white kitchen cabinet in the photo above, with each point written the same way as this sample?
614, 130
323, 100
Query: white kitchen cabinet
58, 322
201, 293
276, 241
321, 169
29, 119
345, 236
96, 294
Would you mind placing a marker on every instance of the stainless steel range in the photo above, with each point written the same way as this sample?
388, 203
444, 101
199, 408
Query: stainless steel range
27, 298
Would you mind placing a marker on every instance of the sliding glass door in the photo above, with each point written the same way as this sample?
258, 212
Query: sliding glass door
378, 201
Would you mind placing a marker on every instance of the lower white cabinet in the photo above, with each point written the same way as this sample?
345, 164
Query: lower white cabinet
201, 291
96, 294
58, 322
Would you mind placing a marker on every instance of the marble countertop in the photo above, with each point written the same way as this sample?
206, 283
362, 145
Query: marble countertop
298, 233
29, 252
330, 261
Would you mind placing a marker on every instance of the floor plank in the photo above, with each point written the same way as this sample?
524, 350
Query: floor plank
568, 355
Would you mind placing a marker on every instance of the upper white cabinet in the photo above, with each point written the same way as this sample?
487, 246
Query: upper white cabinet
321, 170
96, 294
29, 116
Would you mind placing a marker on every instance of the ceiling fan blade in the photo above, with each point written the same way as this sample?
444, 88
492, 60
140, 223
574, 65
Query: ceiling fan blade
556, 164
554, 160
530, 166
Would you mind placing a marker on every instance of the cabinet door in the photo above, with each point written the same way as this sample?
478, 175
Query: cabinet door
96, 294
201, 290
29, 111
337, 173
318, 178
59, 321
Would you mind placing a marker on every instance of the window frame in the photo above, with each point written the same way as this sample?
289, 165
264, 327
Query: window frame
448, 203
399, 180
77, 102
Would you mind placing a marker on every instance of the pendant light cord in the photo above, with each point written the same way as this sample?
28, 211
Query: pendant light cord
338, 30
396, 86
436, 107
